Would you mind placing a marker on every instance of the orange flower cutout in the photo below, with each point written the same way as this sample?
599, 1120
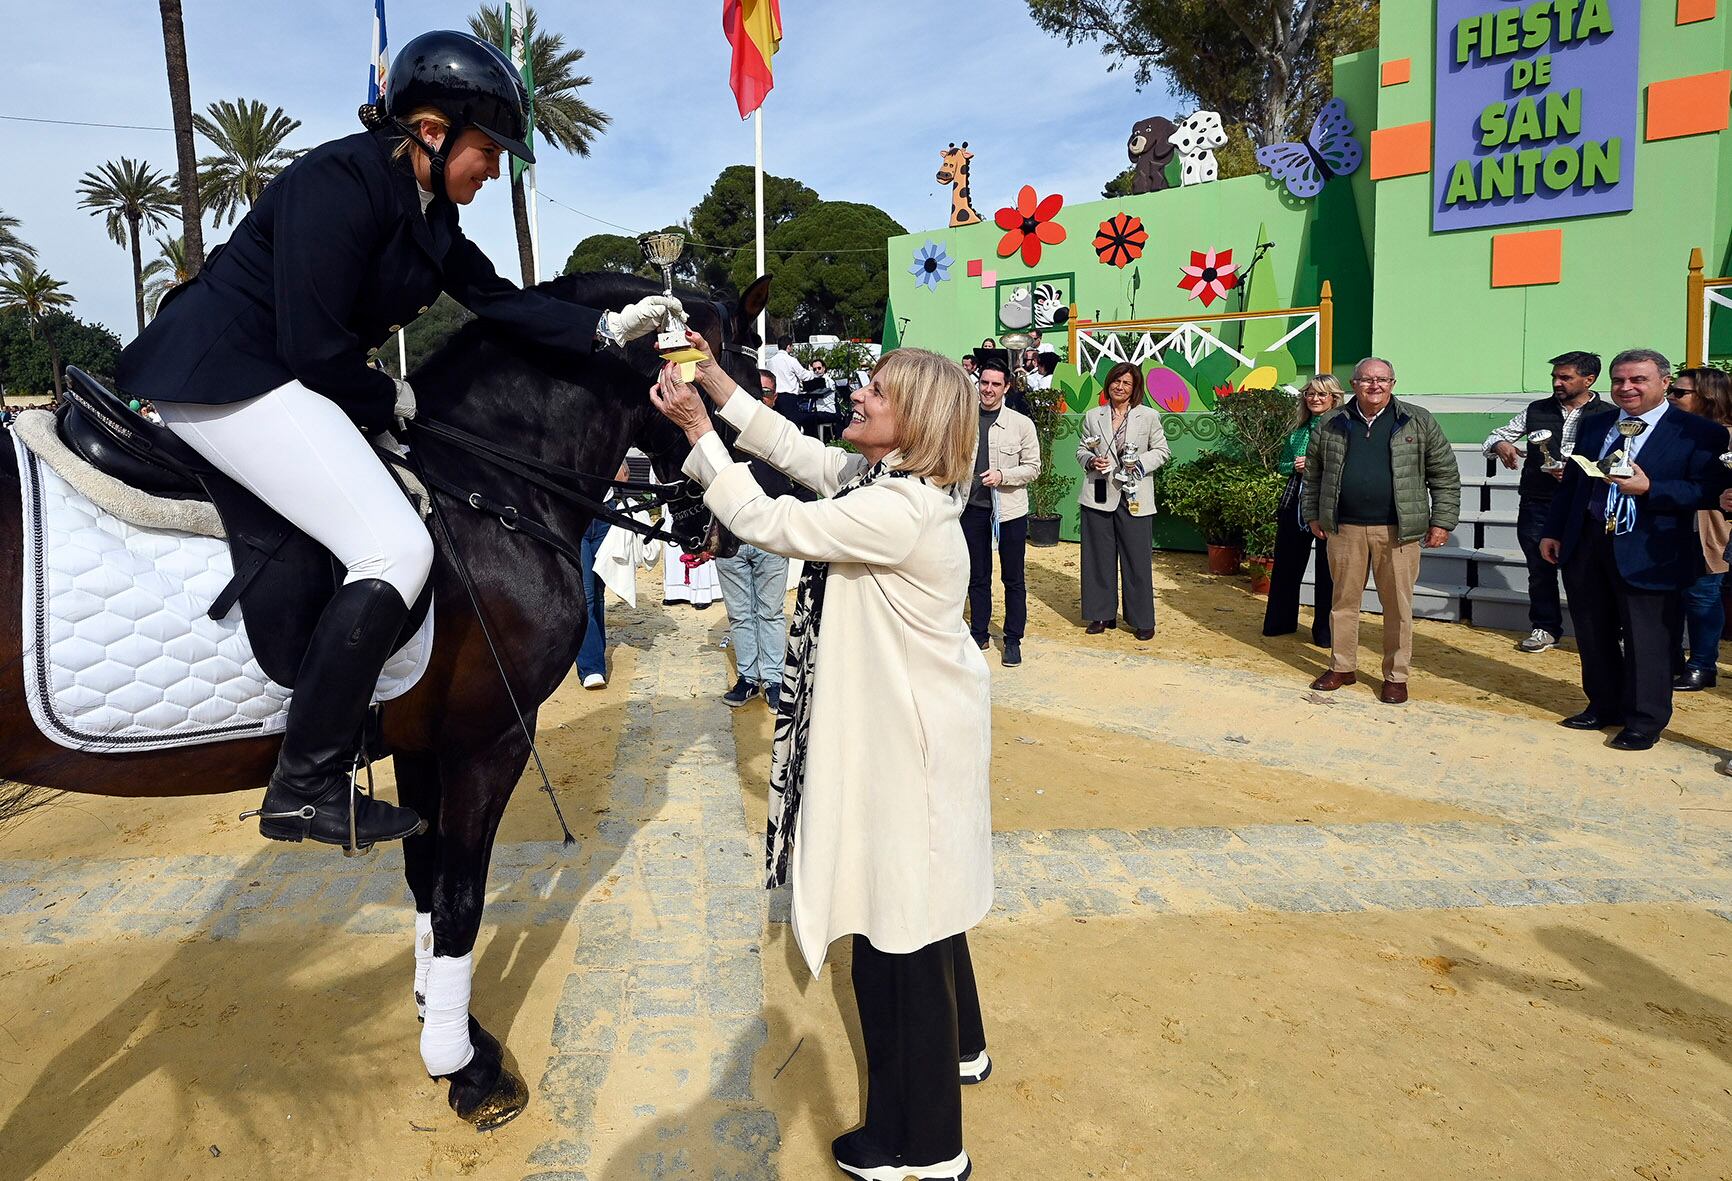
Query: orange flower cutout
1028, 224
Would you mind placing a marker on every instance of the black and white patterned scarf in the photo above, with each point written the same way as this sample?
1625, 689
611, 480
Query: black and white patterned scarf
794, 718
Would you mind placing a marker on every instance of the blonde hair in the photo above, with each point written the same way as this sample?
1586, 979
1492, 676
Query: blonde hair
417, 117
1327, 383
937, 412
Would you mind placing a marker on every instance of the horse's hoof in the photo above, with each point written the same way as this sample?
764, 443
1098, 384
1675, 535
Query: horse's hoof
487, 1093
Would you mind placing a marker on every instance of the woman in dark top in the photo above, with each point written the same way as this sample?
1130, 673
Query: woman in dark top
1293, 538
260, 365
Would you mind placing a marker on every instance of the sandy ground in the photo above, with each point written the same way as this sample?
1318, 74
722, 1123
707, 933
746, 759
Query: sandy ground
1572, 1041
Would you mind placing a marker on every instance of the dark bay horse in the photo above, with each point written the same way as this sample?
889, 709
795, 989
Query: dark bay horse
457, 744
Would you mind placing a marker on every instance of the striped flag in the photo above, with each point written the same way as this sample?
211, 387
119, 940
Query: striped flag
517, 45
381, 60
754, 29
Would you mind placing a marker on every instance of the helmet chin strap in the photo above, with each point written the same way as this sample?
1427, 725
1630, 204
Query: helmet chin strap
435, 156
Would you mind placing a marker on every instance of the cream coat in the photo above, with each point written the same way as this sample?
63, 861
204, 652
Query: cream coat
1142, 431
894, 837
1014, 449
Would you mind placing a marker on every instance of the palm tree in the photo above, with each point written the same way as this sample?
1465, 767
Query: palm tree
250, 153
36, 293
168, 270
186, 156
14, 250
562, 119
131, 194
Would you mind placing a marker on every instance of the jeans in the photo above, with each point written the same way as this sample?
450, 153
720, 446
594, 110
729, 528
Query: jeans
1012, 546
754, 584
592, 653
1545, 608
1704, 620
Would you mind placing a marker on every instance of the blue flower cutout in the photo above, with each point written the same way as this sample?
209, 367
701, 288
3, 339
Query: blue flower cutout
931, 266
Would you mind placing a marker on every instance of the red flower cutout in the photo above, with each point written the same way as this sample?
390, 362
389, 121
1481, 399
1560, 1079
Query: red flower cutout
1120, 240
1210, 276
1029, 223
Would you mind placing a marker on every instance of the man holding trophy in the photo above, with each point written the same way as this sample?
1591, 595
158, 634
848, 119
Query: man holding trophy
1623, 529
1549, 427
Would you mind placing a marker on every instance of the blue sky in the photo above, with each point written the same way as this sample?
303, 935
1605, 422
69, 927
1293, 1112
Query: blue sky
866, 96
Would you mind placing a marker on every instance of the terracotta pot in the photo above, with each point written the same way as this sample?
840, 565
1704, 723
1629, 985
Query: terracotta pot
1261, 571
1225, 559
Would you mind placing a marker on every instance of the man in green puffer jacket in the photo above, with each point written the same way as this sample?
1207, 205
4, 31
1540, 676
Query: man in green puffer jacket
1380, 483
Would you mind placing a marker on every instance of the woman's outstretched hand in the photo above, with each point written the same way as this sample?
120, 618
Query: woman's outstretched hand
680, 403
711, 377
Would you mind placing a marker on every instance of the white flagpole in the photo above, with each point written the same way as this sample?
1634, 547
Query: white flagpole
758, 200
402, 354
534, 222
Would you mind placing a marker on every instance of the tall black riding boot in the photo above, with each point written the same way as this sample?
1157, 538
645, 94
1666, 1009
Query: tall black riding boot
309, 794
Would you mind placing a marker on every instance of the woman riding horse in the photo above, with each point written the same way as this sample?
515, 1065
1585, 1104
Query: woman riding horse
260, 365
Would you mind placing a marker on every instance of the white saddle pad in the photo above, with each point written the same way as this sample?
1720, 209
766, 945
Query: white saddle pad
119, 654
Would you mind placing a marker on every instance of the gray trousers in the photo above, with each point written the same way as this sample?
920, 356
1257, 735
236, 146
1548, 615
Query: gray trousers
1118, 560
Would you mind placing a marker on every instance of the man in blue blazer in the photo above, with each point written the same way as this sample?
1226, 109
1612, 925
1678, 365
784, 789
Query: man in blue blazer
1628, 546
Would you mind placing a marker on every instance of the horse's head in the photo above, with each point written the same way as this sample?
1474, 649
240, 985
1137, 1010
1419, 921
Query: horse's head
585, 413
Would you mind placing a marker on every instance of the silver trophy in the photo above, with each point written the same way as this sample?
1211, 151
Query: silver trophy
663, 251
1540, 439
1620, 464
1726, 459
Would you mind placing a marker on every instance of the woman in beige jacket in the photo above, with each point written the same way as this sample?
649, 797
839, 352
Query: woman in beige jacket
879, 804
1122, 446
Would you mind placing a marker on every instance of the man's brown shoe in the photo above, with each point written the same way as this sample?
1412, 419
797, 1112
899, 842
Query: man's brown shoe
1332, 680
1393, 693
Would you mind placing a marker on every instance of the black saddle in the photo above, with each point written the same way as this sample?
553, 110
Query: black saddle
283, 579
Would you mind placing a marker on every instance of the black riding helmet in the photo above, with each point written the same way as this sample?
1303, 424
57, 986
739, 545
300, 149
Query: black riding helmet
468, 81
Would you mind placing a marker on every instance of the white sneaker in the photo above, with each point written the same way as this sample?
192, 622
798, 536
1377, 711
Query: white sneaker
1538, 641
975, 1069
595, 681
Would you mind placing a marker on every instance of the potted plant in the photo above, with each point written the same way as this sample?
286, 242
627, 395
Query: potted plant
1228, 499
1260, 553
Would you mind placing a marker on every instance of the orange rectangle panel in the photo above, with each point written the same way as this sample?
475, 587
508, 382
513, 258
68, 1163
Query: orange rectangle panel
1527, 259
1401, 151
1398, 71
1698, 105
1691, 11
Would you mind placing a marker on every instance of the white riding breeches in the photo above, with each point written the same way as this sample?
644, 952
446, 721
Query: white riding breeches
299, 453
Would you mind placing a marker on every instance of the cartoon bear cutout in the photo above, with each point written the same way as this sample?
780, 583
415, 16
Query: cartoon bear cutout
1151, 150
1196, 140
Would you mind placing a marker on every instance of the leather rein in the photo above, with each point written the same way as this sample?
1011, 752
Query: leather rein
690, 521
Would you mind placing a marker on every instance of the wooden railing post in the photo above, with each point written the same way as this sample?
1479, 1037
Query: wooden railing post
1070, 353
1695, 312
1326, 330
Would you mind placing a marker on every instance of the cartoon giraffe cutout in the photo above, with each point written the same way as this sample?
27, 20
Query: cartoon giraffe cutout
954, 172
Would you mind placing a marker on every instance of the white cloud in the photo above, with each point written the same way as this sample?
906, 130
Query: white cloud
865, 98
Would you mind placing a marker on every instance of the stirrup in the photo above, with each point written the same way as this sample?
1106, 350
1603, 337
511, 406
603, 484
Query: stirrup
306, 812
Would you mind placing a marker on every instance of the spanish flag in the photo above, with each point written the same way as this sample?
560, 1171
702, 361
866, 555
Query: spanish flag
754, 29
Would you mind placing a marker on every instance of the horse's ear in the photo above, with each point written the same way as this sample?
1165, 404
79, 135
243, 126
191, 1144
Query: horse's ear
752, 304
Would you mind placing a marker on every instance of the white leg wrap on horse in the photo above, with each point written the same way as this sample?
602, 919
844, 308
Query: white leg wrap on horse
423, 960
445, 1044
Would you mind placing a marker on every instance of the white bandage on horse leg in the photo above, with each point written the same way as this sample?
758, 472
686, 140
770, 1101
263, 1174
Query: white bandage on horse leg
445, 1044
423, 960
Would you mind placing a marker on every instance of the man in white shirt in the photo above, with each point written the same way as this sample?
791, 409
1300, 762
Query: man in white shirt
1573, 377
791, 376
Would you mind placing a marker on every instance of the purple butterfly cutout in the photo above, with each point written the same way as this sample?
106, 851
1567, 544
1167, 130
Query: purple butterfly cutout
1328, 151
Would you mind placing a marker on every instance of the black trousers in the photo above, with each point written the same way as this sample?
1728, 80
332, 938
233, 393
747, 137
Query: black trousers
1012, 551
1545, 608
1625, 636
1293, 542
919, 1018
1118, 562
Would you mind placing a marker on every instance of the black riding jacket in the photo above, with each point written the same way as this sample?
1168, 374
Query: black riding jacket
333, 259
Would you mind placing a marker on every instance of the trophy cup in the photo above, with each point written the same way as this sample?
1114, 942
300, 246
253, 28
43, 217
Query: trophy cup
1129, 475
1726, 459
1621, 464
663, 250
1540, 439
1094, 443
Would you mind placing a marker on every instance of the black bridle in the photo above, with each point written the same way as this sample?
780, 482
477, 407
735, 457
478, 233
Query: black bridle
689, 521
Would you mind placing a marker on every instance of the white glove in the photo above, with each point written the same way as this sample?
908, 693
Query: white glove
641, 318
404, 410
